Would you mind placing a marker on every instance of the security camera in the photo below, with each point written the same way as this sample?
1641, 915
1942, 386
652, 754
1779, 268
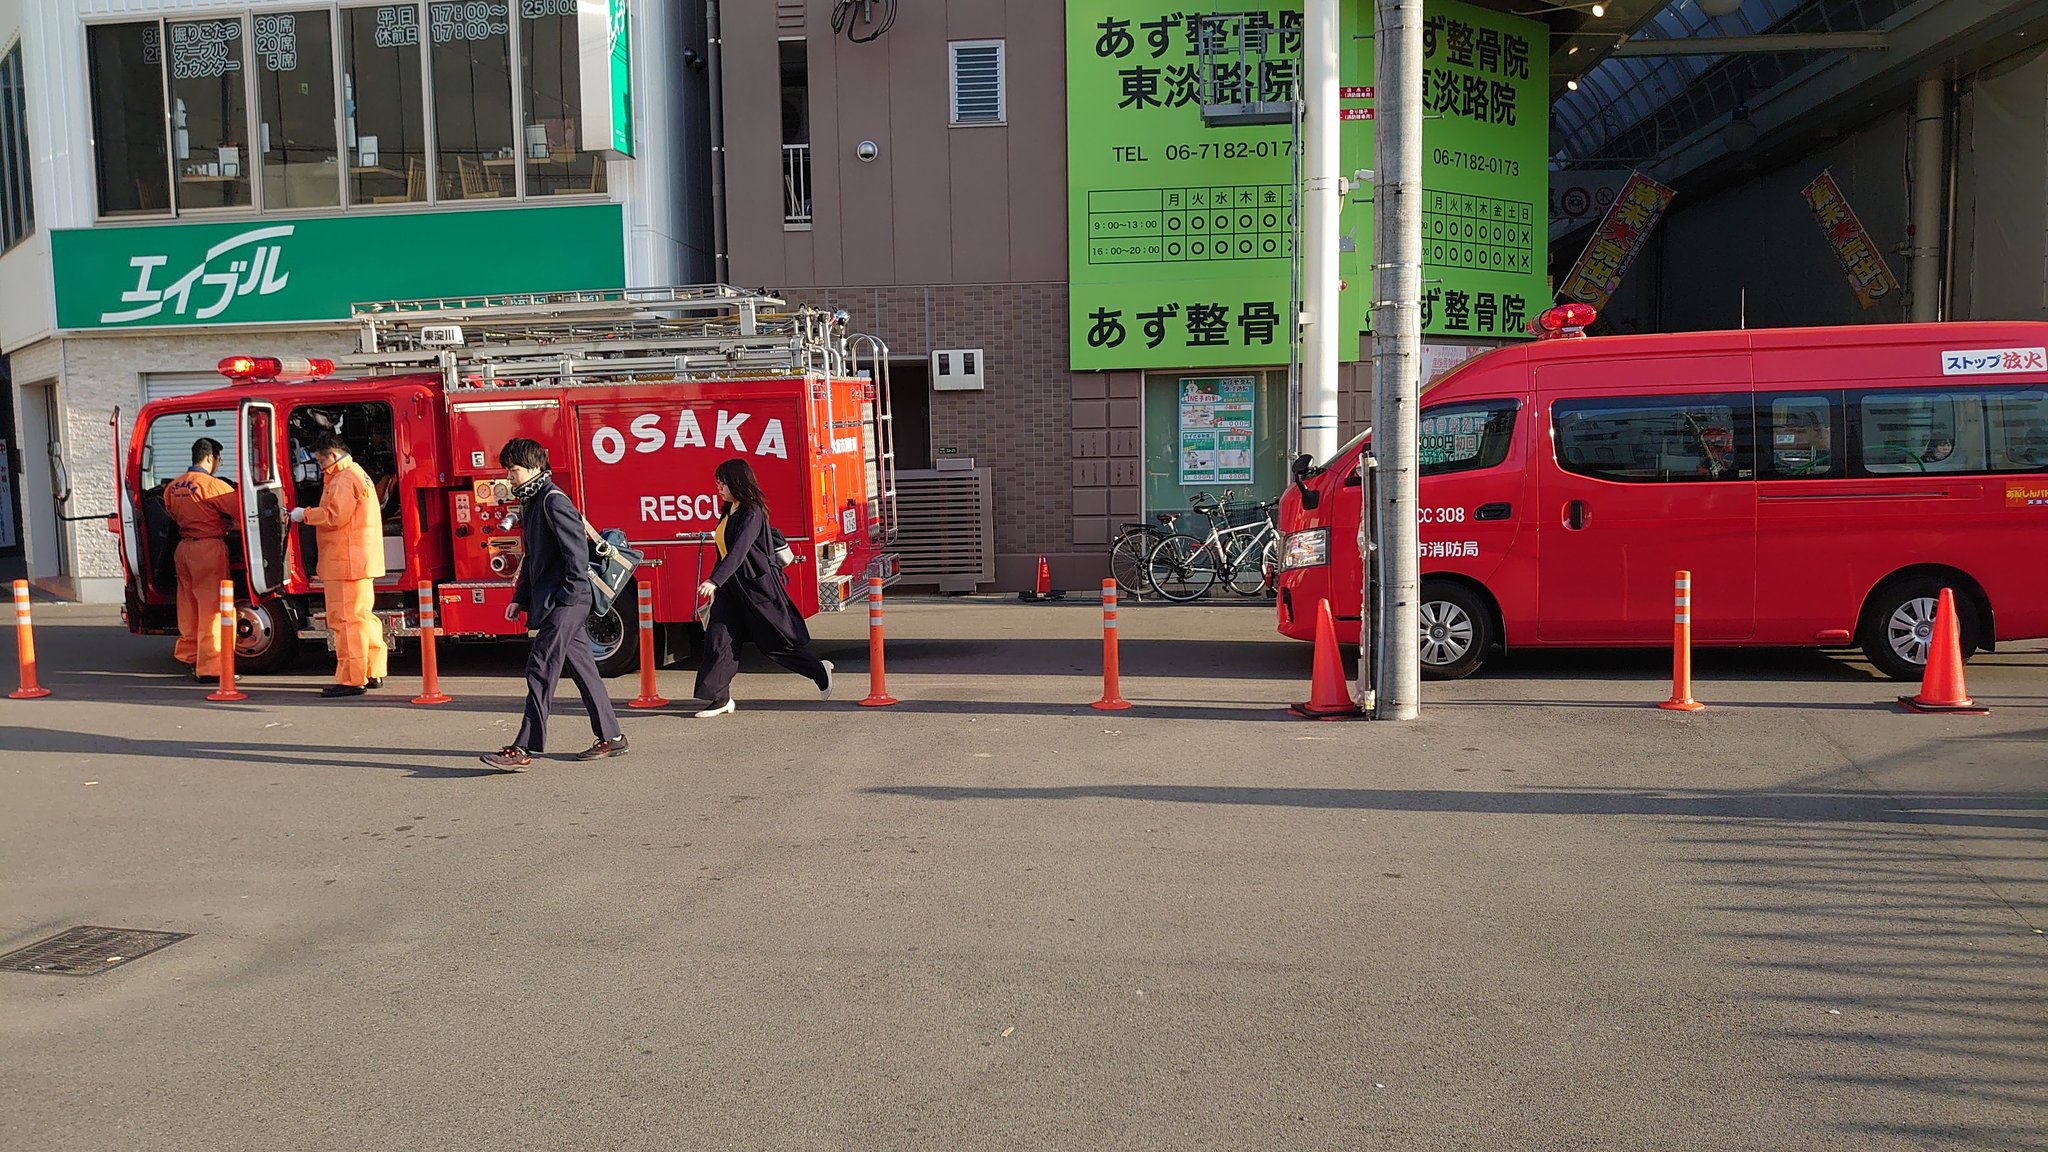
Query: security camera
867, 150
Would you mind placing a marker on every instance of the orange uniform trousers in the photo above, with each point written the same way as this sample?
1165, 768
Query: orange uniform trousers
360, 654
201, 566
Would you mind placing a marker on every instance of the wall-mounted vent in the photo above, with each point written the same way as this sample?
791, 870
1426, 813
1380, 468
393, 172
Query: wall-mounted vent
959, 370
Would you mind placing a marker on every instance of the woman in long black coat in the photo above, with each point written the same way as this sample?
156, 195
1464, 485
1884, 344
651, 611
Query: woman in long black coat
749, 598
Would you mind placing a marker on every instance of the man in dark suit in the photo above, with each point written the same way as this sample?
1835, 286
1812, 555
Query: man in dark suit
554, 592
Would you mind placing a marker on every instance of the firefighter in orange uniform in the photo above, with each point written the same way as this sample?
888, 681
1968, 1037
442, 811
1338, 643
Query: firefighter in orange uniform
351, 557
205, 509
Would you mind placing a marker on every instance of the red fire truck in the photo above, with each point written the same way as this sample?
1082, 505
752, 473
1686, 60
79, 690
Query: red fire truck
637, 396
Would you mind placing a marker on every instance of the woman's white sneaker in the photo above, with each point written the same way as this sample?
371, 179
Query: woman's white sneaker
825, 693
716, 710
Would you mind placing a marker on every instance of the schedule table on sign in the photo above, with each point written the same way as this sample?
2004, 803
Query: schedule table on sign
1174, 225
1462, 230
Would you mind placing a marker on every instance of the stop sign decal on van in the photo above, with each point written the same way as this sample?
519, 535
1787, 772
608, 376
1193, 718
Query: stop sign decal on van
649, 469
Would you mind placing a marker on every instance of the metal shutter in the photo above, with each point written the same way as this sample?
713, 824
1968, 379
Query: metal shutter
978, 82
169, 440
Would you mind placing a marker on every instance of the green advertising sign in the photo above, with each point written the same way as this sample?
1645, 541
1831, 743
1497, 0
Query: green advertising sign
604, 33
259, 271
1181, 234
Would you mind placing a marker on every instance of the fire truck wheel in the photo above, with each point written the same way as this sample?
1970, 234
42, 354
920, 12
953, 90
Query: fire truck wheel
266, 637
1898, 623
1457, 630
616, 648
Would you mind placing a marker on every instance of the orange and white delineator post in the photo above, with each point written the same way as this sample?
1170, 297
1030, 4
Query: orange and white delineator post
25, 648
649, 696
430, 666
1111, 700
226, 622
1681, 648
878, 683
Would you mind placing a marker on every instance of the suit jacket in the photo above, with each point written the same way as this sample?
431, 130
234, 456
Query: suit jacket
556, 571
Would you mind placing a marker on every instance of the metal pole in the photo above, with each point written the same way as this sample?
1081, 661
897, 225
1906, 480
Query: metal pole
1324, 199
1397, 349
1930, 120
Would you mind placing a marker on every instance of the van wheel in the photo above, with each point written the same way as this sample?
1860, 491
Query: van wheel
1457, 630
1898, 626
266, 637
613, 644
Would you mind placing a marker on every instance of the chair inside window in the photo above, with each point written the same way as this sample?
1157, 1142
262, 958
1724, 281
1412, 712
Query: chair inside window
415, 184
476, 180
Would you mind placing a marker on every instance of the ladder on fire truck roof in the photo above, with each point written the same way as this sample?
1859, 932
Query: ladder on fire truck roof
696, 333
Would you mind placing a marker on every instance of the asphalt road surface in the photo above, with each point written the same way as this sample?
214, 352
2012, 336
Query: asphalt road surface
1544, 916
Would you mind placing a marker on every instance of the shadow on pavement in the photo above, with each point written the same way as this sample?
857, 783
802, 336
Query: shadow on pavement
406, 760
1961, 809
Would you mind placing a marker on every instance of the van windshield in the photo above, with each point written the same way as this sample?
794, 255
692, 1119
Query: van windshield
1345, 448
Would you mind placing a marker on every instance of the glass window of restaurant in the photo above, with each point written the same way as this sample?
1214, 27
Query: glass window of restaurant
209, 114
295, 134
384, 113
320, 108
131, 159
556, 163
472, 63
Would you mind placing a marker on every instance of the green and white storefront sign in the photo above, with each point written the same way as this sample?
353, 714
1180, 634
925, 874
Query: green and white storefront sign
604, 36
272, 271
1180, 235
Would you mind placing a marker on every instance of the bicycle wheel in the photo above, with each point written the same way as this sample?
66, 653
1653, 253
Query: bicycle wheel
1128, 557
1182, 568
1251, 572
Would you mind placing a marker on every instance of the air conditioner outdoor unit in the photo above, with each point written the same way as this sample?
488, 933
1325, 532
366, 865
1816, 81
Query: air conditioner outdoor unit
958, 370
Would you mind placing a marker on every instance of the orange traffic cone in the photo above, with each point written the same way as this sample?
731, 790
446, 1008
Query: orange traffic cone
1941, 686
1044, 589
1329, 696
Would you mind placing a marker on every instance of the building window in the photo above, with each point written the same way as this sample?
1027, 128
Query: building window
209, 114
17, 199
383, 94
131, 157
796, 134
558, 161
319, 108
1654, 440
472, 62
977, 75
295, 105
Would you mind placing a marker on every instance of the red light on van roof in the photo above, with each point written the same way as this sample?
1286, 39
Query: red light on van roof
242, 369
1564, 322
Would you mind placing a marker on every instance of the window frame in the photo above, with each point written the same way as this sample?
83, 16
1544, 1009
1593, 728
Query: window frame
1765, 448
348, 205
1002, 116
17, 170
1742, 410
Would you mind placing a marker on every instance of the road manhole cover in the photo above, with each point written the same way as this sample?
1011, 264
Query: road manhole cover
87, 949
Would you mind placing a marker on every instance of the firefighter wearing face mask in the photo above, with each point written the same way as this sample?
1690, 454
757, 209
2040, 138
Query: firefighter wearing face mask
205, 509
351, 558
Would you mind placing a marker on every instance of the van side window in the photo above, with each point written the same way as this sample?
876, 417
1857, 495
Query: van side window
1465, 437
1953, 431
1660, 440
1801, 433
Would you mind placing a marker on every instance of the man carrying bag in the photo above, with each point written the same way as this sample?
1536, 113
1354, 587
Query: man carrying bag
554, 591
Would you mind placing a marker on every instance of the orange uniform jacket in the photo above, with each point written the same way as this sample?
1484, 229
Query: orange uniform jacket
203, 505
351, 529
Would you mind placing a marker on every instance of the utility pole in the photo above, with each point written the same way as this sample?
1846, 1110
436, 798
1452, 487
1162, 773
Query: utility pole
1323, 199
1397, 354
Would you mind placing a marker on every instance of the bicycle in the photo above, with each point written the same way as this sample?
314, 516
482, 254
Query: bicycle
1133, 545
1247, 556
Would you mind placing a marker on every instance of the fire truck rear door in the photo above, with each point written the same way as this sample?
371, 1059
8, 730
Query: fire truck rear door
263, 516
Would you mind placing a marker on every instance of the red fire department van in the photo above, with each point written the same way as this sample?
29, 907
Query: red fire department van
637, 396
1821, 485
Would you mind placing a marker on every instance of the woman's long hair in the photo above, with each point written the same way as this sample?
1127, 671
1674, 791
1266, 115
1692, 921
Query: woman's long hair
738, 477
